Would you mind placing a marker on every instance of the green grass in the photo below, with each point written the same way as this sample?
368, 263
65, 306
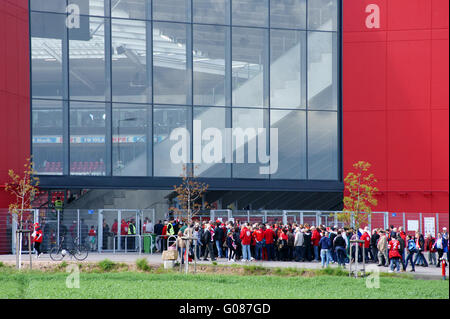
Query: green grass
35, 284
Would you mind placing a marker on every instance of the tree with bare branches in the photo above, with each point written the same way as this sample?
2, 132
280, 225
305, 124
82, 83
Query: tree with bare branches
189, 196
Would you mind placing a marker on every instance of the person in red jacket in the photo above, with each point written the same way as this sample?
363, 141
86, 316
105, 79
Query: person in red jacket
366, 237
269, 236
394, 253
123, 232
37, 237
258, 235
315, 238
246, 240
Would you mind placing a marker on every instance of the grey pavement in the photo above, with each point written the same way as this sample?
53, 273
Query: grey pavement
430, 272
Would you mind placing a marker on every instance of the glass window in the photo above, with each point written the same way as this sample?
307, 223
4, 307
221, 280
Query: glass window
131, 70
171, 77
211, 11
130, 125
48, 5
211, 144
90, 7
170, 155
47, 57
131, 9
87, 62
209, 65
287, 69
250, 12
172, 10
87, 138
322, 71
323, 15
250, 61
47, 140
323, 145
288, 14
291, 126
246, 142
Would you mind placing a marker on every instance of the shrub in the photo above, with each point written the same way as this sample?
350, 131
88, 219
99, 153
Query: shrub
142, 264
107, 265
62, 265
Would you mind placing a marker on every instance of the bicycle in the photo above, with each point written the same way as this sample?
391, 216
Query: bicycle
80, 252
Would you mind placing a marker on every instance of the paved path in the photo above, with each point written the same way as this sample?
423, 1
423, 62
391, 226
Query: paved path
430, 272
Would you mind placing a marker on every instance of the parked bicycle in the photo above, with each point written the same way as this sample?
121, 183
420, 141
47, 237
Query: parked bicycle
80, 252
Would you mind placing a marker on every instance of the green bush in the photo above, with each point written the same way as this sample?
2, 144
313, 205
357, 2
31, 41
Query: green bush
142, 264
107, 265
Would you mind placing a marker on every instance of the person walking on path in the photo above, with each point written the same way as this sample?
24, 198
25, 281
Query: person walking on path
411, 247
37, 237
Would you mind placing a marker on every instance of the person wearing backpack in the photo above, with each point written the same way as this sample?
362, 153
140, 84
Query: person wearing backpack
411, 246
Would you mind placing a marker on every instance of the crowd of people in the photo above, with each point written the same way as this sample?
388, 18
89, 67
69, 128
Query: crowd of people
237, 241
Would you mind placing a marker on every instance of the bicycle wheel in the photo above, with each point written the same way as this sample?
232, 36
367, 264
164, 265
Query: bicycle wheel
80, 252
56, 254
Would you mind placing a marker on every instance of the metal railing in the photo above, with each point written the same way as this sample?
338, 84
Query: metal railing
125, 237
77, 223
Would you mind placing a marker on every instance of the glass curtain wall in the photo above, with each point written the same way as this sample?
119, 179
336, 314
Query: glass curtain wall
142, 87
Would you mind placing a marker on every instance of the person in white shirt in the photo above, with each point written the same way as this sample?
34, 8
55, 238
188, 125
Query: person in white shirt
148, 226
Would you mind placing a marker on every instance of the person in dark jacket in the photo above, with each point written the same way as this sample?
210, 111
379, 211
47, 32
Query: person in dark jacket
290, 244
402, 251
208, 240
333, 235
325, 245
219, 236
307, 245
420, 246
340, 246
373, 245
237, 240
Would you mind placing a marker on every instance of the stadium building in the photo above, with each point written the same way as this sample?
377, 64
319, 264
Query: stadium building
96, 91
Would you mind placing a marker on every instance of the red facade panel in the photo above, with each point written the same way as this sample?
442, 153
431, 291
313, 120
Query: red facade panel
14, 96
400, 70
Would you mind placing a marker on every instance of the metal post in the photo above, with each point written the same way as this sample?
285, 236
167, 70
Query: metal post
100, 231
404, 221
29, 250
119, 226
437, 224
301, 218
420, 223
284, 217
57, 228
350, 263
386, 220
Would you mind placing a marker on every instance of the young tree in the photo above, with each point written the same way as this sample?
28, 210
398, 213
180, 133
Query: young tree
359, 200
189, 196
24, 190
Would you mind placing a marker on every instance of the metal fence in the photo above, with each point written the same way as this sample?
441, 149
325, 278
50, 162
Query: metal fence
110, 236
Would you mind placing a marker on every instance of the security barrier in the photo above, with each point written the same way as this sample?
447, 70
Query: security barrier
124, 239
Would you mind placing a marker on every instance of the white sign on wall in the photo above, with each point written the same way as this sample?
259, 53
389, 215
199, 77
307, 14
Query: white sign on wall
429, 226
413, 225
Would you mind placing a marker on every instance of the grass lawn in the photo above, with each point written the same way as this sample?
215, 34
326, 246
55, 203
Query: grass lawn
134, 285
